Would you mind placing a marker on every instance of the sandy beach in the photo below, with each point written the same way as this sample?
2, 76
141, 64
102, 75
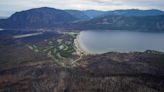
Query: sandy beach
79, 50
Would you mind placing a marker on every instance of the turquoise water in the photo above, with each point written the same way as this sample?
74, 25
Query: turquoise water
120, 41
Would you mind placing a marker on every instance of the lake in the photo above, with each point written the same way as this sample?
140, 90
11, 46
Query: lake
120, 41
1, 29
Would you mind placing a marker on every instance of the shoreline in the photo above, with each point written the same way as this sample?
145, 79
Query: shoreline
79, 50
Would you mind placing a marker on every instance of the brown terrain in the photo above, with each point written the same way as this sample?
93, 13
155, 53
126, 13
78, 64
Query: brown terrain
23, 70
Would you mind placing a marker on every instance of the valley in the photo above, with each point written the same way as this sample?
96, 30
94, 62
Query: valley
51, 62
53, 50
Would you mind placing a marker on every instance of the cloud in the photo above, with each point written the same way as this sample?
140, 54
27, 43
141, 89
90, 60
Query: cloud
8, 7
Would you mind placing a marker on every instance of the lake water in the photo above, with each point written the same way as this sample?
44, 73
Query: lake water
120, 41
1, 29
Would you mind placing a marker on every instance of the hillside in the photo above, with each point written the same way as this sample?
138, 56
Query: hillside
94, 13
119, 22
36, 18
78, 14
111, 72
50, 18
135, 12
126, 12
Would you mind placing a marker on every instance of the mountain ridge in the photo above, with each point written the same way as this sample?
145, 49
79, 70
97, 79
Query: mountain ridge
45, 17
78, 14
136, 12
38, 17
119, 22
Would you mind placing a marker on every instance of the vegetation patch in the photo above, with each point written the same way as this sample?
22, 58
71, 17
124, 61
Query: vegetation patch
60, 50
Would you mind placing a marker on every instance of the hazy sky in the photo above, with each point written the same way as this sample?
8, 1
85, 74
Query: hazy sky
8, 7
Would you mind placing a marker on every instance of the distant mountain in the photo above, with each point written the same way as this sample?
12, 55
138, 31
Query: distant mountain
128, 12
3, 17
45, 17
135, 12
94, 13
78, 14
120, 22
38, 17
